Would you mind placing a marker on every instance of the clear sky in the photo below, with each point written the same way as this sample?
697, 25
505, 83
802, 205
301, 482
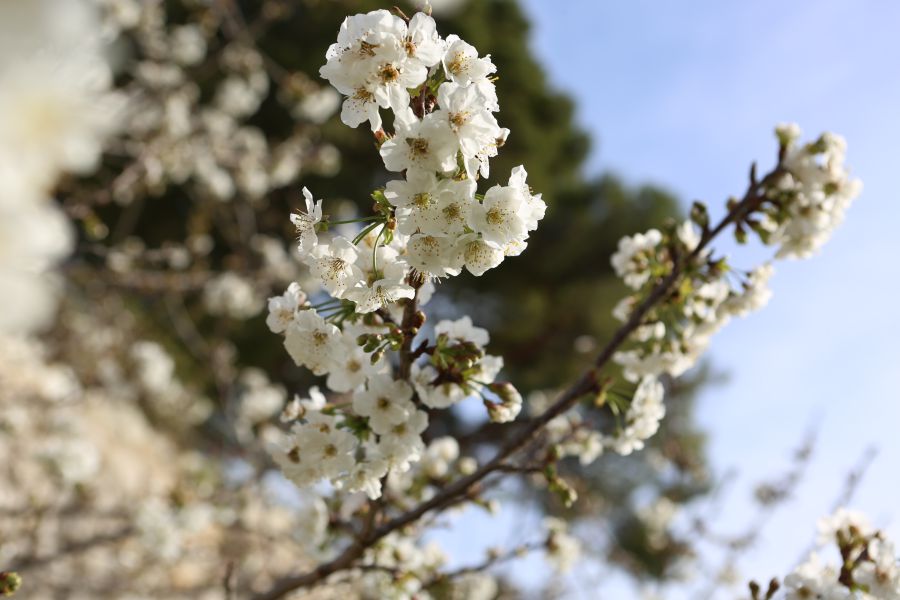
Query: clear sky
685, 94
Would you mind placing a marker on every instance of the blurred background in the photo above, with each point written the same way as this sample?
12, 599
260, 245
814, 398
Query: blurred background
623, 113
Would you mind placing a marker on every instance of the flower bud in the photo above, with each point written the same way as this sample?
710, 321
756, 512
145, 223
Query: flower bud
10, 582
376, 356
467, 465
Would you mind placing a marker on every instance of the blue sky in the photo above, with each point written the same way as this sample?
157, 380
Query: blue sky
687, 98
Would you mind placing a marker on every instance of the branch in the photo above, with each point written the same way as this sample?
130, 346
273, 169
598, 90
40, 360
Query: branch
567, 399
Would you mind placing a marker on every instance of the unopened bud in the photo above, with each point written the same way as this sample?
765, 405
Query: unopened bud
418, 319
376, 356
754, 590
699, 215
10, 582
467, 465
507, 392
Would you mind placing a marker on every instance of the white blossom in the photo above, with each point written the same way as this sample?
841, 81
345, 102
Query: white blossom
283, 309
427, 144
312, 342
385, 401
305, 223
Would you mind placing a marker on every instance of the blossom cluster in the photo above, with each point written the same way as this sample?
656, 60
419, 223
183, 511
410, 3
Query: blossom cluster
444, 135
796, 207
809, 197
379, 430
429, 224
868, 568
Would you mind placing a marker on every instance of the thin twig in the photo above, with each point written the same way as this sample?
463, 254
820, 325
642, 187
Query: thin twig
586, 383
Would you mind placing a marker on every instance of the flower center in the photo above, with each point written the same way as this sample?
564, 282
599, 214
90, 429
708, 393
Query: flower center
389, 73
495, 216
459, 63
459, 119
363, 94
417, 146
452, 212
367, 49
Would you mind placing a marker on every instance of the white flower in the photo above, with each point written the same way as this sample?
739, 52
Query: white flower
426, 144
810, 199
642, 418
352, 366
437, 256
232, 295
422, 41
361, 106
156, 368
535, 207
366, 477
480, 163
510, 404
787, 133
463, 330
688, 235
632, 260
843, 520
462, 64
500, 218
479, 255
382, 292
188, 45
300, 467
376, 60
386, 402
586, 445
442, 395
468, 116
331, 449
306, 222
754, 295
402, 444
880, 574
428, 205
334, 265
283, 308
298, 407
812, 579
563, 550
441, 452
312, 342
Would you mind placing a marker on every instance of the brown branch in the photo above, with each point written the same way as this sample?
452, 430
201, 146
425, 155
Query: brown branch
567, 399
409, 328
